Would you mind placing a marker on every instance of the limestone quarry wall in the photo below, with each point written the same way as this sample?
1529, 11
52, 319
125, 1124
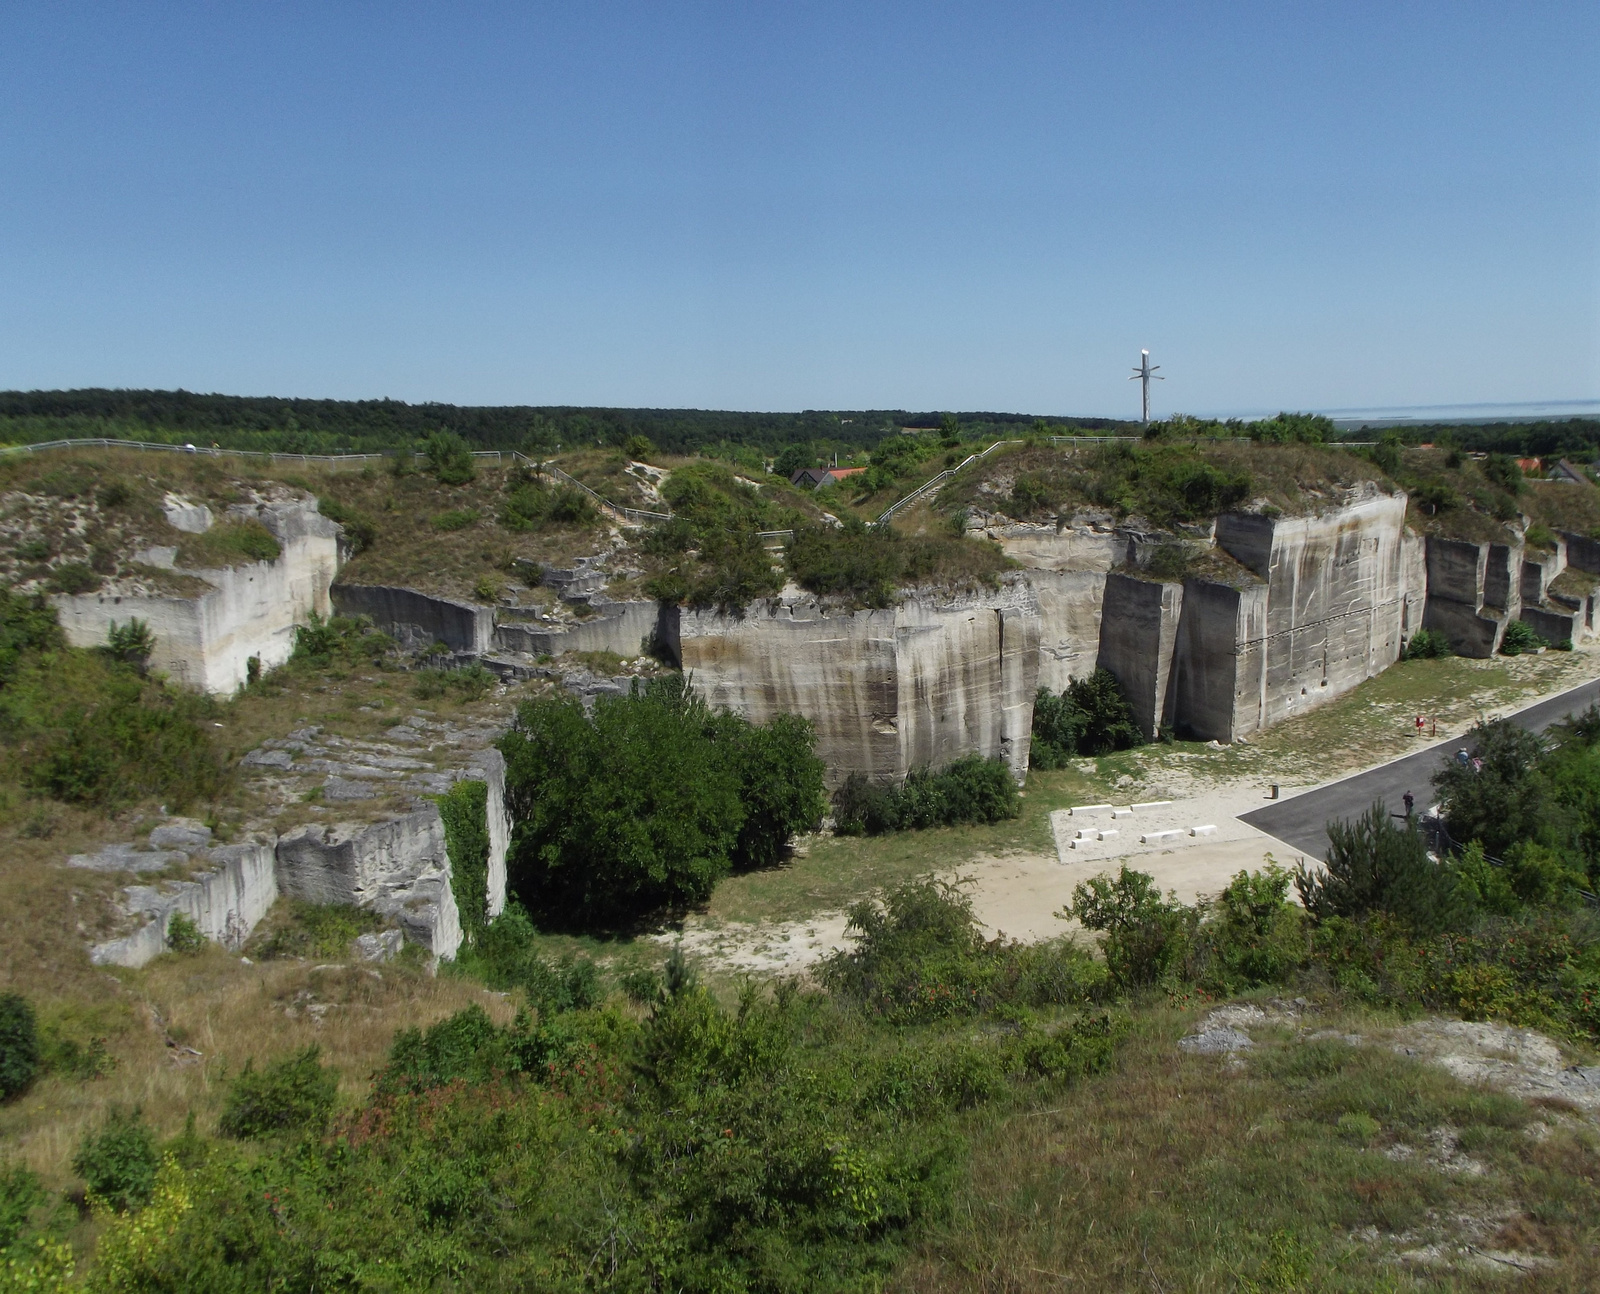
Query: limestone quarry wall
418, 620
621, 627
1138, 633
888, 690
225, 904
1067, 568
397, 868
205, 642
1339, 601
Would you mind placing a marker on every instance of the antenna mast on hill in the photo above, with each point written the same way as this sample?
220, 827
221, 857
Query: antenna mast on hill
1143, 374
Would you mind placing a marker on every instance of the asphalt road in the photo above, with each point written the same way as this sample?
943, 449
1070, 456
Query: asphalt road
1301, 819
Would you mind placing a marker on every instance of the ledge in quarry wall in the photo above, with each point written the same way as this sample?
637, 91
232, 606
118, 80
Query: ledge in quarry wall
923, 683
416, 620
621, 627
225, 904
205, 642
1474, 591
397, 868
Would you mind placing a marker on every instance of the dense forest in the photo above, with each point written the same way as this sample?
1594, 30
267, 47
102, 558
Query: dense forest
326, 426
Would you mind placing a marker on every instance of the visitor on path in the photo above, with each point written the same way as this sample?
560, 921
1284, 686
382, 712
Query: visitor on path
1408, 800
1419, 725
1463, 758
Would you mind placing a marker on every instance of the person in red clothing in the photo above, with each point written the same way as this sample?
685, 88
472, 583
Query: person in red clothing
1419, 725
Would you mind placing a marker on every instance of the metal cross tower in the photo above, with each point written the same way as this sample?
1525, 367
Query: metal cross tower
1144, 373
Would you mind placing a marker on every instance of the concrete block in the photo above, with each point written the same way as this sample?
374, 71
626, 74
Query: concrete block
1151, 804
1077, 809
1210, 829
1122, 813
1109, 833
1159, 837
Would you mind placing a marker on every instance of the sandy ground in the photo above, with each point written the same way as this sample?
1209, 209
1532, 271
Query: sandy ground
1018, 895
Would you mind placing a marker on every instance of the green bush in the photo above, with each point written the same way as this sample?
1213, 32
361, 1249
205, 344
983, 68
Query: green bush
318, 930
449, 458
1376, 864
118, 1161
184, 937
289, 1095
463, 810
972, 789
1148, 939
338, 640
359, 530
20, 1194
228, 543
648, 802
130, 644
19, 1045
1520, 637
1091, 717
1251, 934
1427, 644
919, 956
470, 683
74, 578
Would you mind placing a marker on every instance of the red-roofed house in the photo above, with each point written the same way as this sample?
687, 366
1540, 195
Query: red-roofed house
815, 478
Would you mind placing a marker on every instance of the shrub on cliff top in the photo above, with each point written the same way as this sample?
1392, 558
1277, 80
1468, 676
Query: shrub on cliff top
19, 1045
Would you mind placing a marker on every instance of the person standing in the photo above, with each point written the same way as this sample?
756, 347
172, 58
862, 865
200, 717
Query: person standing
1408, 800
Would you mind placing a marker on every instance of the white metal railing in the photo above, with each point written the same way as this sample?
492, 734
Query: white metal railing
935, 482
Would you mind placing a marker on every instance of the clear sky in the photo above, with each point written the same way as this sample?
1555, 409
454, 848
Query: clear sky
765, 206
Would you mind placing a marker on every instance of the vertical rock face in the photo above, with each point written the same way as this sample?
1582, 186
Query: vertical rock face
1067, 568
418, 620
225, 904
1321, 603
1474, 591
1138, 632
205, 642
398, 868
1339, 601
499, 826
923, 683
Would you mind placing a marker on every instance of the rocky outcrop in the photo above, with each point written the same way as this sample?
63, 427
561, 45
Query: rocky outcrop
251, 610
888, 690
398, 868
626, 628
225, 903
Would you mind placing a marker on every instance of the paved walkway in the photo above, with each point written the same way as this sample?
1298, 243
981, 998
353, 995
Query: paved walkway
1302, 819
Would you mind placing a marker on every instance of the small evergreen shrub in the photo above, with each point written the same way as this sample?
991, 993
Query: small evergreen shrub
458, 519
1376, 864
19, 1045
184, 937
449, 458
1091, 717
295, 1093
118, 1162
1427, 644
1518, 638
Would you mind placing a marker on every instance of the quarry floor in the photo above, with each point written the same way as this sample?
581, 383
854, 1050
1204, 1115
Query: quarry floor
1020, 875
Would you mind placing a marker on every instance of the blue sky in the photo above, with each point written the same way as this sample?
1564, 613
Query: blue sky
761, 206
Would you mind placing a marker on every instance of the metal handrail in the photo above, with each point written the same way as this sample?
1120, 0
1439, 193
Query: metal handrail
936, 481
